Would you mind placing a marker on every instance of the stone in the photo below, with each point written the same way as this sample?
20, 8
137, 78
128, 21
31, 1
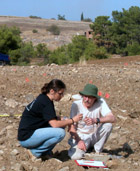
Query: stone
11, 103
29, 98
65, 169
112, 164
66, 98
14, 152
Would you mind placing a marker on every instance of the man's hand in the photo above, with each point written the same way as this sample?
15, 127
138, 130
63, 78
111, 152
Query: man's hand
90, 121
81, 145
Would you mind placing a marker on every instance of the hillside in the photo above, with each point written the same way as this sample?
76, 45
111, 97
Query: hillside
68, 29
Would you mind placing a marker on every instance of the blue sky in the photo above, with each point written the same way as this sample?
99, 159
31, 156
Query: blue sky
71, 9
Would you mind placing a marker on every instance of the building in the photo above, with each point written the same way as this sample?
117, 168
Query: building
89, 34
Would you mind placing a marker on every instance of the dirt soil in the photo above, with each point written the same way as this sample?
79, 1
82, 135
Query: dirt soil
118, 81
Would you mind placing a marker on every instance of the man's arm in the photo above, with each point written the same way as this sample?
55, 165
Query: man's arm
109, 118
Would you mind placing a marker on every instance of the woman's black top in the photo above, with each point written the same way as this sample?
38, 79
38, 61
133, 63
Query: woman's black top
36, 115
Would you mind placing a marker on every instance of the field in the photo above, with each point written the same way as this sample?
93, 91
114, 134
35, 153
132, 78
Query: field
118, 80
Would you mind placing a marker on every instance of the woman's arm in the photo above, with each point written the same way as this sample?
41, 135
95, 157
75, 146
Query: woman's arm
63, 123
80, 143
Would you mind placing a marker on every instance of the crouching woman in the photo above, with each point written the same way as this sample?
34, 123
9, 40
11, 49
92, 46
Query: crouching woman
40, 129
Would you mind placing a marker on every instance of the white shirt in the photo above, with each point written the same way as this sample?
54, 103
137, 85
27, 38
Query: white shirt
99, 109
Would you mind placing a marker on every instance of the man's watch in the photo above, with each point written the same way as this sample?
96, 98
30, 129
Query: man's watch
97, 120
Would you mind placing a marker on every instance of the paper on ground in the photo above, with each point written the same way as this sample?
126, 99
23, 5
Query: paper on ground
90, 163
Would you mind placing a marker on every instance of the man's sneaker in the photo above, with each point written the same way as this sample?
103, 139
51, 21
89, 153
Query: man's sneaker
75, 153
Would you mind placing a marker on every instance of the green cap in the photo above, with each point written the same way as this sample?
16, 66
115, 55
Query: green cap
90, 90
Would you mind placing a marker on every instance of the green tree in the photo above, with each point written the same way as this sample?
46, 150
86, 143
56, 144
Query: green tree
101, 25
116, 35
92, 51
82, 16
89, 52
59, 56
22, 55
70, 53
60, 17
14, 56
9, 39
101, 28
77, 47
41, 51
125, 28
133, 49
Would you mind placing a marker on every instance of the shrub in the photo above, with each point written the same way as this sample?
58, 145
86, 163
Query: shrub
22, 55
100, 53
41, 51
34, 17
133, 49
35, 31
87, 20
54, 29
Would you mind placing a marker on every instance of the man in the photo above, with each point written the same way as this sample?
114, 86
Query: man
95, 127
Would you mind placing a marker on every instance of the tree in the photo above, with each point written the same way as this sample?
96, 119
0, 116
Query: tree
101, 28
59, 56
101, 25
60, 17
9, 39
125, 28
41, 51
22, 55
77, 47
82, 16
133, 49
119, 33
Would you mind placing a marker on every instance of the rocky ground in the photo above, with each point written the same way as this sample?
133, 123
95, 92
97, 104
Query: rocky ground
118, 81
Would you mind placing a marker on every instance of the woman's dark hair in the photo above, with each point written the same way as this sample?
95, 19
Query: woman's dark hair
54, 84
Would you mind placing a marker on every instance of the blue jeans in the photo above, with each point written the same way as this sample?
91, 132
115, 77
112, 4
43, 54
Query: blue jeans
43, 140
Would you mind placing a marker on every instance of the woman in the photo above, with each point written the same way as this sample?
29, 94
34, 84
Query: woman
40, 129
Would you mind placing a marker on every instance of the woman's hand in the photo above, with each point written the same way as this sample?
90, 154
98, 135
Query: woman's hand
77, 117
